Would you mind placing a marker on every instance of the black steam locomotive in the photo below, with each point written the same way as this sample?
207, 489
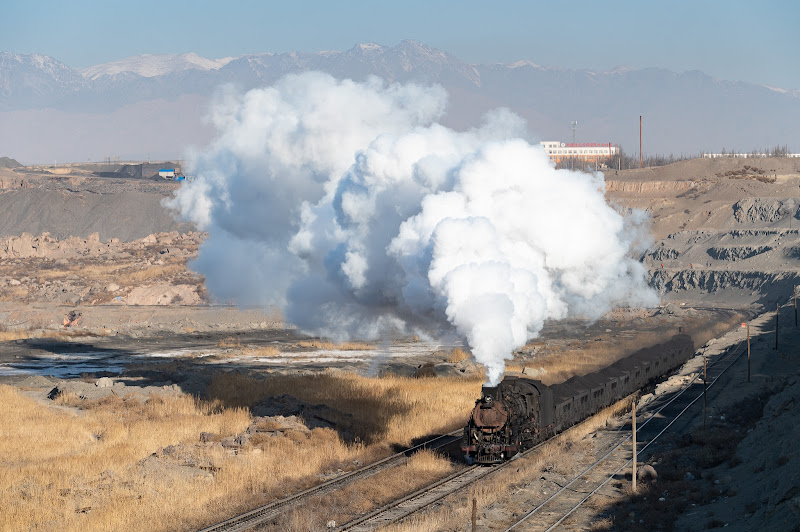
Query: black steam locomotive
520, 412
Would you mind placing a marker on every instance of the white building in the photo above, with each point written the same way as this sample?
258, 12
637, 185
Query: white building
594, 152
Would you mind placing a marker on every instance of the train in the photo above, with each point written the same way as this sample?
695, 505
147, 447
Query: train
520, 412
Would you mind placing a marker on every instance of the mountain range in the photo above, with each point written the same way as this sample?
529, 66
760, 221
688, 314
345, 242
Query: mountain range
155, 104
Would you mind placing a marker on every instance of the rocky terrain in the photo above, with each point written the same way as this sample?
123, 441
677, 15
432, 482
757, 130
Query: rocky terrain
726, 230
75, 271
79, 200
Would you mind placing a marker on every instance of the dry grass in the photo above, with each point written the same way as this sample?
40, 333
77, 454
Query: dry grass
65, 469
268, 351
457, 355
332, 346
124, 273
149, 273
360, 497
233, 343
229, 343
69, 469
14, 294
90, 469
580, 358
56, 334
389, 409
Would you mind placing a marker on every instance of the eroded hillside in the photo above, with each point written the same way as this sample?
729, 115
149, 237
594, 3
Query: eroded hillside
727, 231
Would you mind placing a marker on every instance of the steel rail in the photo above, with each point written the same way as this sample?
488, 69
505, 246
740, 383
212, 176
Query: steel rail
269, 511
355, 523
644, 447
731, 352
453, 479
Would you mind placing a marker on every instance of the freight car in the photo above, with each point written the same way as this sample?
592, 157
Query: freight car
520, 412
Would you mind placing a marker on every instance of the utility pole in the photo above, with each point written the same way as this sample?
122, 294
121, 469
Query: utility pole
474, 513
640, 141
748, 349
777, 313
574, 126
705, 387
633, 418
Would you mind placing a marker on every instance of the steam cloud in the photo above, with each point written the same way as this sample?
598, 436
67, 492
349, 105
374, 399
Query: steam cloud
349, 207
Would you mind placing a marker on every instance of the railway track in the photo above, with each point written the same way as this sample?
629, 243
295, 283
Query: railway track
399, 509
269, 512
659, 417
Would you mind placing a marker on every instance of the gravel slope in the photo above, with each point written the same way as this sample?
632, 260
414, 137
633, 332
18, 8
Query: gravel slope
127, 215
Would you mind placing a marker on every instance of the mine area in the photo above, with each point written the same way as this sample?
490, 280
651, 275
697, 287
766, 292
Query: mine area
132, 395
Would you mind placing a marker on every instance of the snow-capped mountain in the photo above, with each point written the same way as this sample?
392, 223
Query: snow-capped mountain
685, 112
30, 80
151, 65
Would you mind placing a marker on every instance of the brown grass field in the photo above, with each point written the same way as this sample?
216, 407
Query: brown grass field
81, 465
580, 358
342, 346
387, 410
53, 334
358, 498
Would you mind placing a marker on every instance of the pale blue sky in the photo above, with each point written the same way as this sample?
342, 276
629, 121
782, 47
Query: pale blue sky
750, 41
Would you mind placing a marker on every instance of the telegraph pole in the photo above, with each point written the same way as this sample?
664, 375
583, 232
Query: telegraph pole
705, 387
474, 513
640, 141
748, 349
633, 417
574, 126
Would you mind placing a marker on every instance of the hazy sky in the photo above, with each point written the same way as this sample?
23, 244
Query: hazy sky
749, 41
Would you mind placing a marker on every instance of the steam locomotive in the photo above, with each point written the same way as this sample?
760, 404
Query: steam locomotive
520, 412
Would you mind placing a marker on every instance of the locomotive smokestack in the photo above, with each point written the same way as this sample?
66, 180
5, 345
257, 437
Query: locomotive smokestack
489, 391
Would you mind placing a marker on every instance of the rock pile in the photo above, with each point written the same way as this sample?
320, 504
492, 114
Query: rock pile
290, 408
44, 246
106, 386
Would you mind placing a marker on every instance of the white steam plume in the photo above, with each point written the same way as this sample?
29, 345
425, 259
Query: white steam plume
350, 208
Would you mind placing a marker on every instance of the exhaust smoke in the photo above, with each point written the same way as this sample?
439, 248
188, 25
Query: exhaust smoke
350, 208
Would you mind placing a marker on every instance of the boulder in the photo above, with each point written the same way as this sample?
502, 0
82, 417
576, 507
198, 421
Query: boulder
104, 382
646, 473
